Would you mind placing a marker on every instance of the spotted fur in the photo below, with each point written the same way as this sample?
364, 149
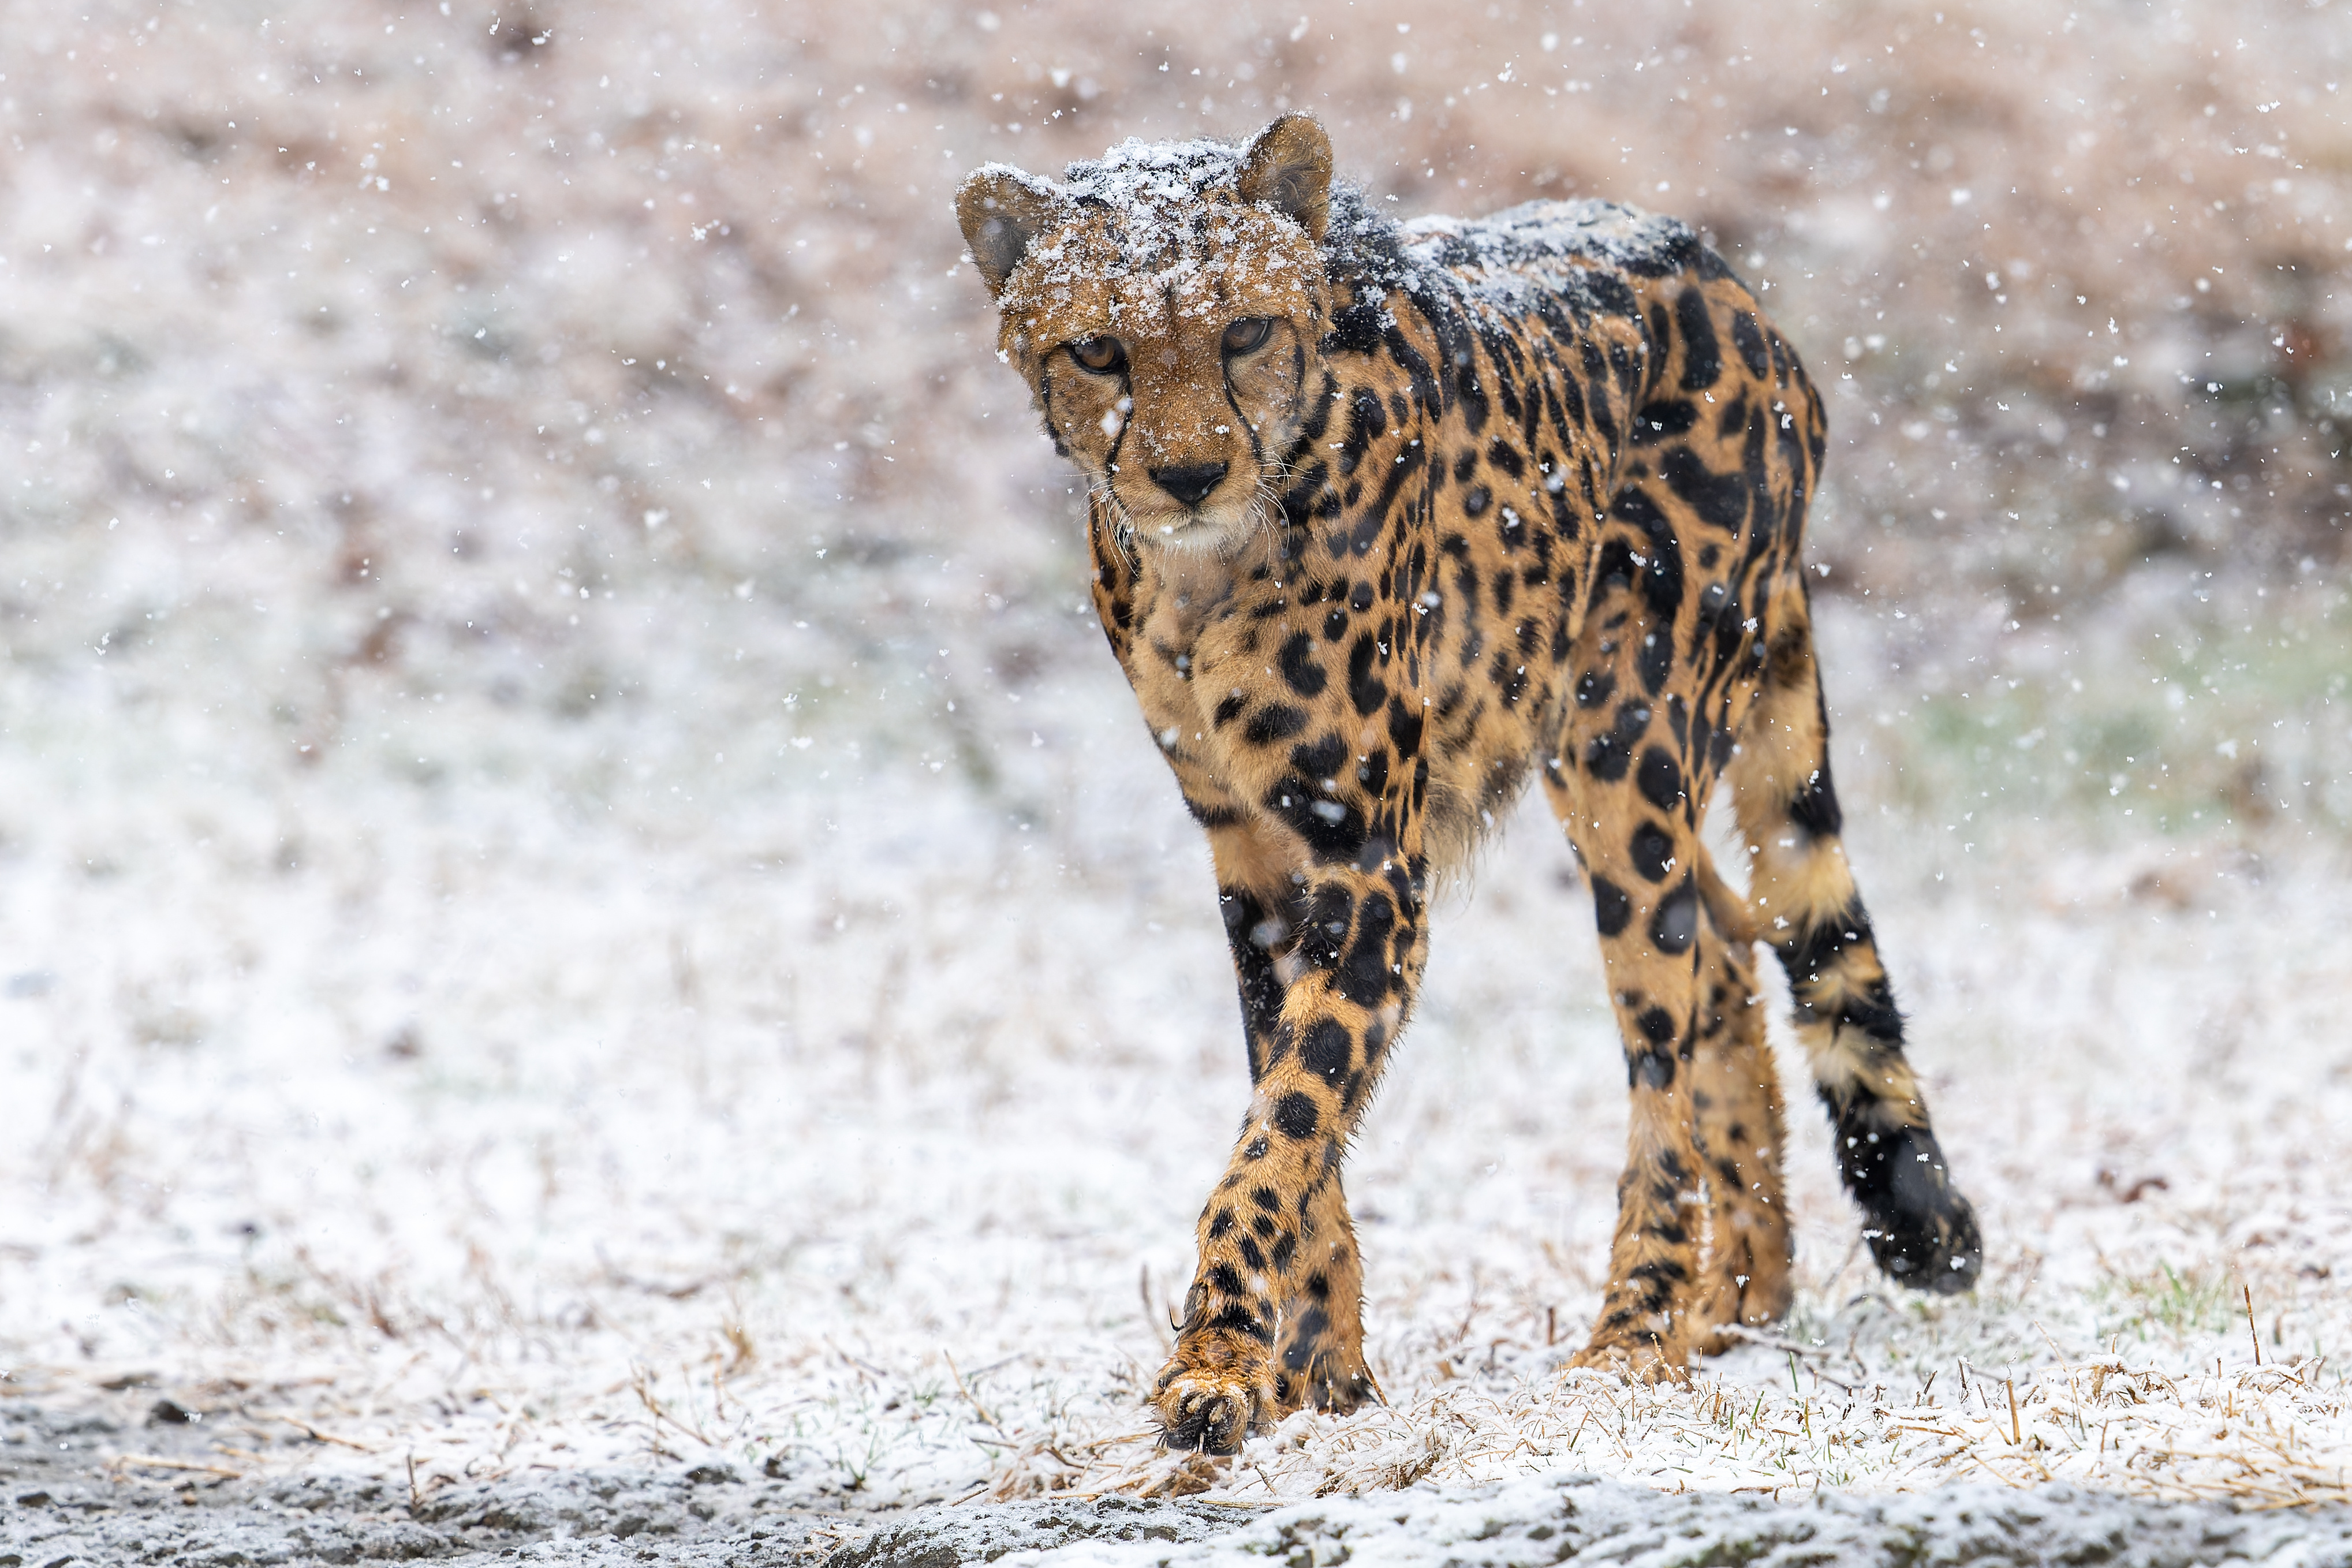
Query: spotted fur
1386, 519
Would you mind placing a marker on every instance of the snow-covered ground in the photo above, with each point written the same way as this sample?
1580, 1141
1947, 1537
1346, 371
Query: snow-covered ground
527, 1089
556, 913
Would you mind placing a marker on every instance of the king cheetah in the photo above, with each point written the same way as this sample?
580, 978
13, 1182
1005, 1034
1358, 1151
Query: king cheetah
1385, 519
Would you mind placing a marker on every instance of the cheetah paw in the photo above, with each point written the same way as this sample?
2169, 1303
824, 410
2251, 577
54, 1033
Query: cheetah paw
1210, 1395
1647, 1359
1925, 1235
1329, 1386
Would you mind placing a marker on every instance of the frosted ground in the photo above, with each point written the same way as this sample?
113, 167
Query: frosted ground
578, 890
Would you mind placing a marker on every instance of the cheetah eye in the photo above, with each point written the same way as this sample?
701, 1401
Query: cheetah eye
1104, 356
1248, 333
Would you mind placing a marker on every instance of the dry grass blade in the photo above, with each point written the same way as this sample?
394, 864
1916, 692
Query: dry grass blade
315, 1434
159, 1462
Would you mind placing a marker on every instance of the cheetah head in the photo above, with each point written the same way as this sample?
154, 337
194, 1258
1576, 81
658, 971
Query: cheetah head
1166, 303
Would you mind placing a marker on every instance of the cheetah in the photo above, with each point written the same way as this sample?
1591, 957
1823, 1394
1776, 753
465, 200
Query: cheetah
1384, 518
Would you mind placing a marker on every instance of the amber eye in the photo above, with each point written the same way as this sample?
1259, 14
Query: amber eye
1248, 333
1101, 356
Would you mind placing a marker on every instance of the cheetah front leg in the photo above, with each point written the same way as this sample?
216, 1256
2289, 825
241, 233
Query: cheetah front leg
1320, 1361
1277, 1263
1319, 1357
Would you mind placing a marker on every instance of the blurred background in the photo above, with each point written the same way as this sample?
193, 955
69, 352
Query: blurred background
559, 796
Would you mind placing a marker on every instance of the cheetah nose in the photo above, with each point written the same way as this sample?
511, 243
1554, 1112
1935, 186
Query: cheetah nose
1191, 483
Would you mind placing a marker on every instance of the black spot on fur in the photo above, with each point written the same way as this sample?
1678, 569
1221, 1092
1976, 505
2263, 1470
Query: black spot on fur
1653, 852
1662, 578
1675, 925
1659, 779
1663, 420
1813, 949
1656, 660
1209, 816
1239, 1320
1720, 500
1749, 341
1607, 756
1611, 908
1297, 662
1322, 758
1313, 1325
1404, 728
1366, 420
1334, 830
1274, 721
1365, 689
1614, 569
1295, 1116
1702, 358
1328, 1052
1816, 808
1356, 331
1304, 499
1363, 976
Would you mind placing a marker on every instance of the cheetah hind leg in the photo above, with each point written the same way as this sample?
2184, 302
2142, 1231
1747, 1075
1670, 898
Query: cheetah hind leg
1319, 1361
1735, 1103
1922, 1231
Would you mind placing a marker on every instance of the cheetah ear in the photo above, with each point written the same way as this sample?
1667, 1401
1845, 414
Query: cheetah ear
1288, 168
1002, 211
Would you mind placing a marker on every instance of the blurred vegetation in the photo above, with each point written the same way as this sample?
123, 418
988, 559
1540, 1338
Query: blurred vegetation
2188, 712
2166, 1301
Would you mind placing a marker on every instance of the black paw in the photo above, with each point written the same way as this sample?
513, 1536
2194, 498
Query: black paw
1922, 1231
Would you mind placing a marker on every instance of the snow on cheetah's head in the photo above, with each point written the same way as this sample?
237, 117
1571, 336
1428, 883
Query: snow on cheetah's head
1165, 302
